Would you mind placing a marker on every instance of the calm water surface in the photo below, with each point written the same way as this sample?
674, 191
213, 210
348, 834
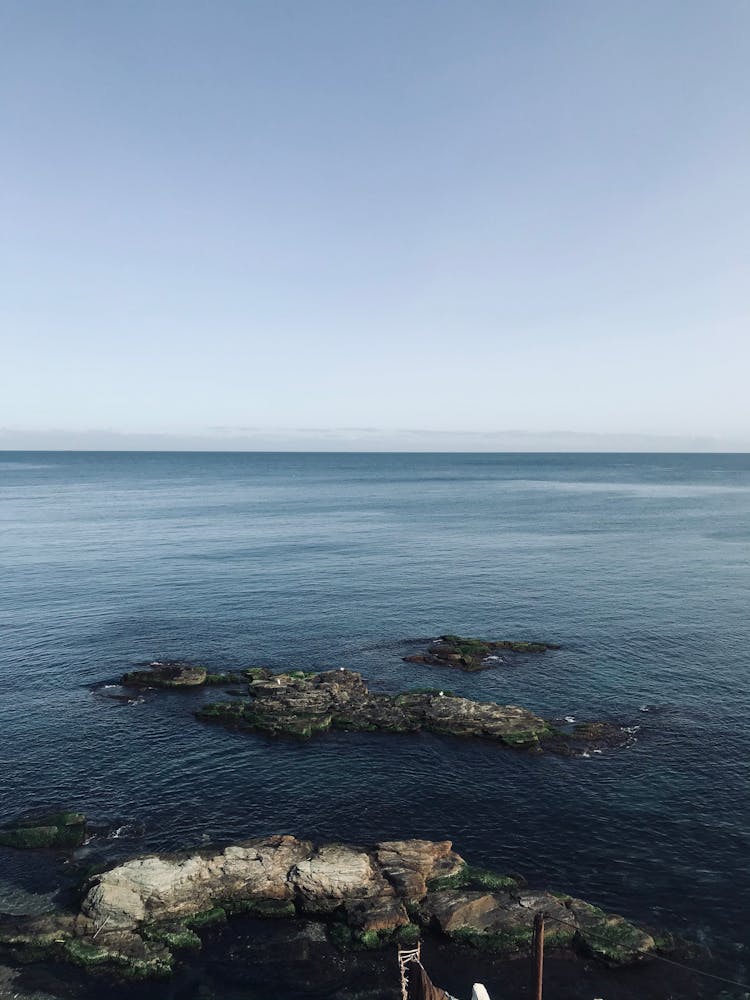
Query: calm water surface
638, 565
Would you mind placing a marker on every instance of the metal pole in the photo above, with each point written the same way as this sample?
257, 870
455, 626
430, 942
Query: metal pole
538, 955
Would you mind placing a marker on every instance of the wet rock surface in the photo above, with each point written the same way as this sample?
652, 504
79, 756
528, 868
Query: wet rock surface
303, 704
139, 914
167, 675
472, 655
181, 675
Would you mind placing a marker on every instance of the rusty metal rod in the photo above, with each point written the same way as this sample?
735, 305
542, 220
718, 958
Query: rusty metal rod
538, 955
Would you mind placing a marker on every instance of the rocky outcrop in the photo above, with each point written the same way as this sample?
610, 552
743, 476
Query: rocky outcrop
181, 675
39, 830
138, 914
167, 675
472, 654
302, 704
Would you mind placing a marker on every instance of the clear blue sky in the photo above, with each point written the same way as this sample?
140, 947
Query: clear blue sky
296, 217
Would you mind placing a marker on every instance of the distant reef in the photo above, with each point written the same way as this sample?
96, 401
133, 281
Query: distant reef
472, 654
135, 917
300, 703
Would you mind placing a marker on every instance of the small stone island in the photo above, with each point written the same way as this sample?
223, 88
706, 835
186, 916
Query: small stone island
135, 916
472, 654
298, 703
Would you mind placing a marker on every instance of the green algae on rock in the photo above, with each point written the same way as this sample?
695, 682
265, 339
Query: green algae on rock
302, 705
472, 654
135, 917
475, 878
40, 830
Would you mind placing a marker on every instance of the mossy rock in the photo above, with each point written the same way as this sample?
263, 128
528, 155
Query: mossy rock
340, 935
347, 938
416, 694
57, 829
167, 675
257, 673
369, 940
528, 739
502, 942
296, 708
301, 725
85, 953
470, 877
89, 955
176, 937
472, 654
408, 935
613, 940
205, 918
465, 647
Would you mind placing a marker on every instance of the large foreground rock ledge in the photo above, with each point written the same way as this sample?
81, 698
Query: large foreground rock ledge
138, 914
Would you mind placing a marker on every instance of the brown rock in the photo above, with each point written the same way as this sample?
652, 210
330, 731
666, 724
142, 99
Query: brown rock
410, 864
377, 914
454, 909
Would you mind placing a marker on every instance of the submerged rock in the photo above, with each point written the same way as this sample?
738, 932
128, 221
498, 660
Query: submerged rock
39, 830
167, 675
302, 704
472, 654
136, 915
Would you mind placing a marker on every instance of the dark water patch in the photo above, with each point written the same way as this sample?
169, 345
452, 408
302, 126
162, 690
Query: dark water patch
252, 959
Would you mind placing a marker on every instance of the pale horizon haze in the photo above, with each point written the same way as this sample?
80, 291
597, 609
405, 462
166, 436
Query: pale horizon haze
395, 226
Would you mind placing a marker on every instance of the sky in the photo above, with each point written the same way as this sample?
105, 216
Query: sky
407, 224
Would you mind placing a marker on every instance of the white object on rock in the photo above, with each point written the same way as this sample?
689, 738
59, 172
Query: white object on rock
478, 992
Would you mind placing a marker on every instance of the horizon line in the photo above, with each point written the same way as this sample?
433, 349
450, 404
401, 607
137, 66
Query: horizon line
370, 451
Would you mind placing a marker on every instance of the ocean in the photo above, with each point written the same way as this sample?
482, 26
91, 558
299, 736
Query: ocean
637, 565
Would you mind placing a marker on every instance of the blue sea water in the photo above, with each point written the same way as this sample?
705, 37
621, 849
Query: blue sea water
637, 565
